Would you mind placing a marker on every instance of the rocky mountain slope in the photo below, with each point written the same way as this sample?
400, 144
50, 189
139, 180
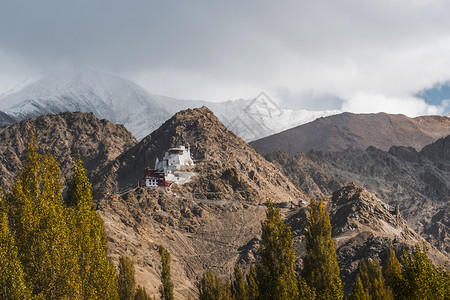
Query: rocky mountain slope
6, 119
225, 163
216, 234
418, 182
357, 131
124, 102
64, 136
362, 226
211, 222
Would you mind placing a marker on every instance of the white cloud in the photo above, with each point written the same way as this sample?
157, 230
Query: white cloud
410, 106
217, 50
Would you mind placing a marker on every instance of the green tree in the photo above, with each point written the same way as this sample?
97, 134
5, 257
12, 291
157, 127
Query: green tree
305, 292
239, 286
252, 284
97, 273
166, 289
141, 294
422, 280
393, 274
126, 281
210, 287
12, 282
320, 267
38, 220
359, 292
276, 272
370, 282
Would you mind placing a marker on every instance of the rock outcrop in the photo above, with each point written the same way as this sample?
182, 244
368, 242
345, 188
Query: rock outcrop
362, 226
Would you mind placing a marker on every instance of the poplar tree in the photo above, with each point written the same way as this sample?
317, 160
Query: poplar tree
98, 275
12, 282
393, 274
370, 282
422, 280
359, 292
239, 286
38, 220
252, 284
276, 271
166, 289
210, 287
320, 267
141, 294
126, 281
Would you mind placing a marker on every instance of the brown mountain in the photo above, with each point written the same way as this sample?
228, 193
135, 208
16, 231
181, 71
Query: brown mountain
213, 222
226, 165
417, 182
362, 227
357, 131
210, 223
64, 136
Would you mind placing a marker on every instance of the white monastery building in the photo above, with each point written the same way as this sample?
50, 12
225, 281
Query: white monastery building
175, 159
171, 169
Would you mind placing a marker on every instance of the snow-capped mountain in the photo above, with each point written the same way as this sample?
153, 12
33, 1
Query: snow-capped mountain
6, 119
122, 101
109, 97
254, 118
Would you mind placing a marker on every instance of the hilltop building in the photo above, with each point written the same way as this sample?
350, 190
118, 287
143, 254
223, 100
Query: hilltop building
171, 168
175, 159
155, 178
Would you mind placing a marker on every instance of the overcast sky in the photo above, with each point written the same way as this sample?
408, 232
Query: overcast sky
361, 56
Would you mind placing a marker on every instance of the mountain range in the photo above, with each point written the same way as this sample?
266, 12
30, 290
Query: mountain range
418, 183
124, 102
357, 131
375, 197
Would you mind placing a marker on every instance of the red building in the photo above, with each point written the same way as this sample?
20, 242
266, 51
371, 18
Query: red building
155, 178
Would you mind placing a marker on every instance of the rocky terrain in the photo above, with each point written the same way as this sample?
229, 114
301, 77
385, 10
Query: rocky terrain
214, 221
227, 167
64, 136
362, 226
200, 235
209, 223
357, 131
417, 182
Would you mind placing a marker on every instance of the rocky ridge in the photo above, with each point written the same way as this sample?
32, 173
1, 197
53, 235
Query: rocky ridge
227, 167
210, 223
417, 182
362, 227
63, 135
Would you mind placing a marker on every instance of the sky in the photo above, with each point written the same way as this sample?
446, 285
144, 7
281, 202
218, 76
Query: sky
359, 56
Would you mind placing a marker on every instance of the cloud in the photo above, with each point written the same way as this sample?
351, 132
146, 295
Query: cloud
220, 50
410, 106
